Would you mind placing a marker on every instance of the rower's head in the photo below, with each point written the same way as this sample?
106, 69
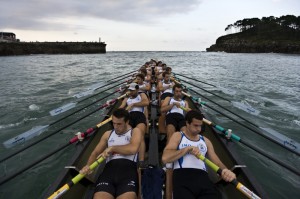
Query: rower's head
177, 91
144, 72
140, 78
133, 89
166, 76
120, 120
194, 121
169, 70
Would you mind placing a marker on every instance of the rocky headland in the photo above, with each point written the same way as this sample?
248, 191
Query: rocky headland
263, 37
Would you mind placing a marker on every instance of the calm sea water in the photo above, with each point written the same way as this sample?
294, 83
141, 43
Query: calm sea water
31, 86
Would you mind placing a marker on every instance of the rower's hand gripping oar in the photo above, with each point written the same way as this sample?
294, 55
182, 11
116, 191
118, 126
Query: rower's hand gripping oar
74, 180
236, 183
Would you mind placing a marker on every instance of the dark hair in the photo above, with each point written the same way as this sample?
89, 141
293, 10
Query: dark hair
121, 113
144, 71
176, 86
141, 76
193, 114
168, 69
165, 73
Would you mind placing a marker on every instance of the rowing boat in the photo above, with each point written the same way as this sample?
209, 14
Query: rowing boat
155, 142
82, 187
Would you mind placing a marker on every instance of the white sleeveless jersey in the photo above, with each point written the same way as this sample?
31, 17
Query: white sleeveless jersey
135, 100
169, 90
174, 108
159, 68
142, 86
189, 160
116, 140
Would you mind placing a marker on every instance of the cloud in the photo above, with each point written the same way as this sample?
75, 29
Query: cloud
53, 14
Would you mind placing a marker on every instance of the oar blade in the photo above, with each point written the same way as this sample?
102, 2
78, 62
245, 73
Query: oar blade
83, 94
246, 107
282, 139
62, 109
20, 139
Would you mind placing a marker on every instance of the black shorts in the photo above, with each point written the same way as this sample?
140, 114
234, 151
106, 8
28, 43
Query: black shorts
118, 177
164, 95
193, 183
136, 118
176, 119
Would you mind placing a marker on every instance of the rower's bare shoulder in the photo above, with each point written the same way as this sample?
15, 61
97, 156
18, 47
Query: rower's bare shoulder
106, 135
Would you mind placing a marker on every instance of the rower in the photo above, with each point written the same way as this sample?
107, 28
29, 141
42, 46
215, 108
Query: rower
119, 147
165, 87
183, 149
175, 122
144, 86
136, 103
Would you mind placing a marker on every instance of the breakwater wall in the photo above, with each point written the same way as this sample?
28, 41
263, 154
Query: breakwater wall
27, 48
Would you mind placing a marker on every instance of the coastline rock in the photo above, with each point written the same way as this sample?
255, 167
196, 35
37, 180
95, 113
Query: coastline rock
259, 40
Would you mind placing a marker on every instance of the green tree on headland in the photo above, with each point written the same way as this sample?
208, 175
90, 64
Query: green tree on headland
287, 21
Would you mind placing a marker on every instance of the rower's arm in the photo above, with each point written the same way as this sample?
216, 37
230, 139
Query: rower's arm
165, 107
212, 155
132, 147
160, 86
187, 106
102, 145
171, 153
123, 105
226, 174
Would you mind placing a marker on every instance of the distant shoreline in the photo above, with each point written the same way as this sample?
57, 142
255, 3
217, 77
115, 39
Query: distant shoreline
28, 48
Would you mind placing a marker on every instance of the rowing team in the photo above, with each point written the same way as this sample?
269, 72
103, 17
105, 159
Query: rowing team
124, 146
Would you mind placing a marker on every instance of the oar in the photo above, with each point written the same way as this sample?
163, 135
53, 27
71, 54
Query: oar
195, 79
74, 180
224, 90
35, 131
53, 133
281, 140
242, 188
245, 107
121, 76
78, 137
228, 133
94, 87
71, 105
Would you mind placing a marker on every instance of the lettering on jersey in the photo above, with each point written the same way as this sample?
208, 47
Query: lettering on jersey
183, 145
111, 140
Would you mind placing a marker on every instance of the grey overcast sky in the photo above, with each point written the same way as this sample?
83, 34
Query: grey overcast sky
159, 25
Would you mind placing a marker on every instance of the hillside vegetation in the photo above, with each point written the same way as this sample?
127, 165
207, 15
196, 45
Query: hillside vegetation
269, 34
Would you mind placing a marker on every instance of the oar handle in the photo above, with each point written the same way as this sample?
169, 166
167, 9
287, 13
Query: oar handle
236, 183
104, 122
75, 180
